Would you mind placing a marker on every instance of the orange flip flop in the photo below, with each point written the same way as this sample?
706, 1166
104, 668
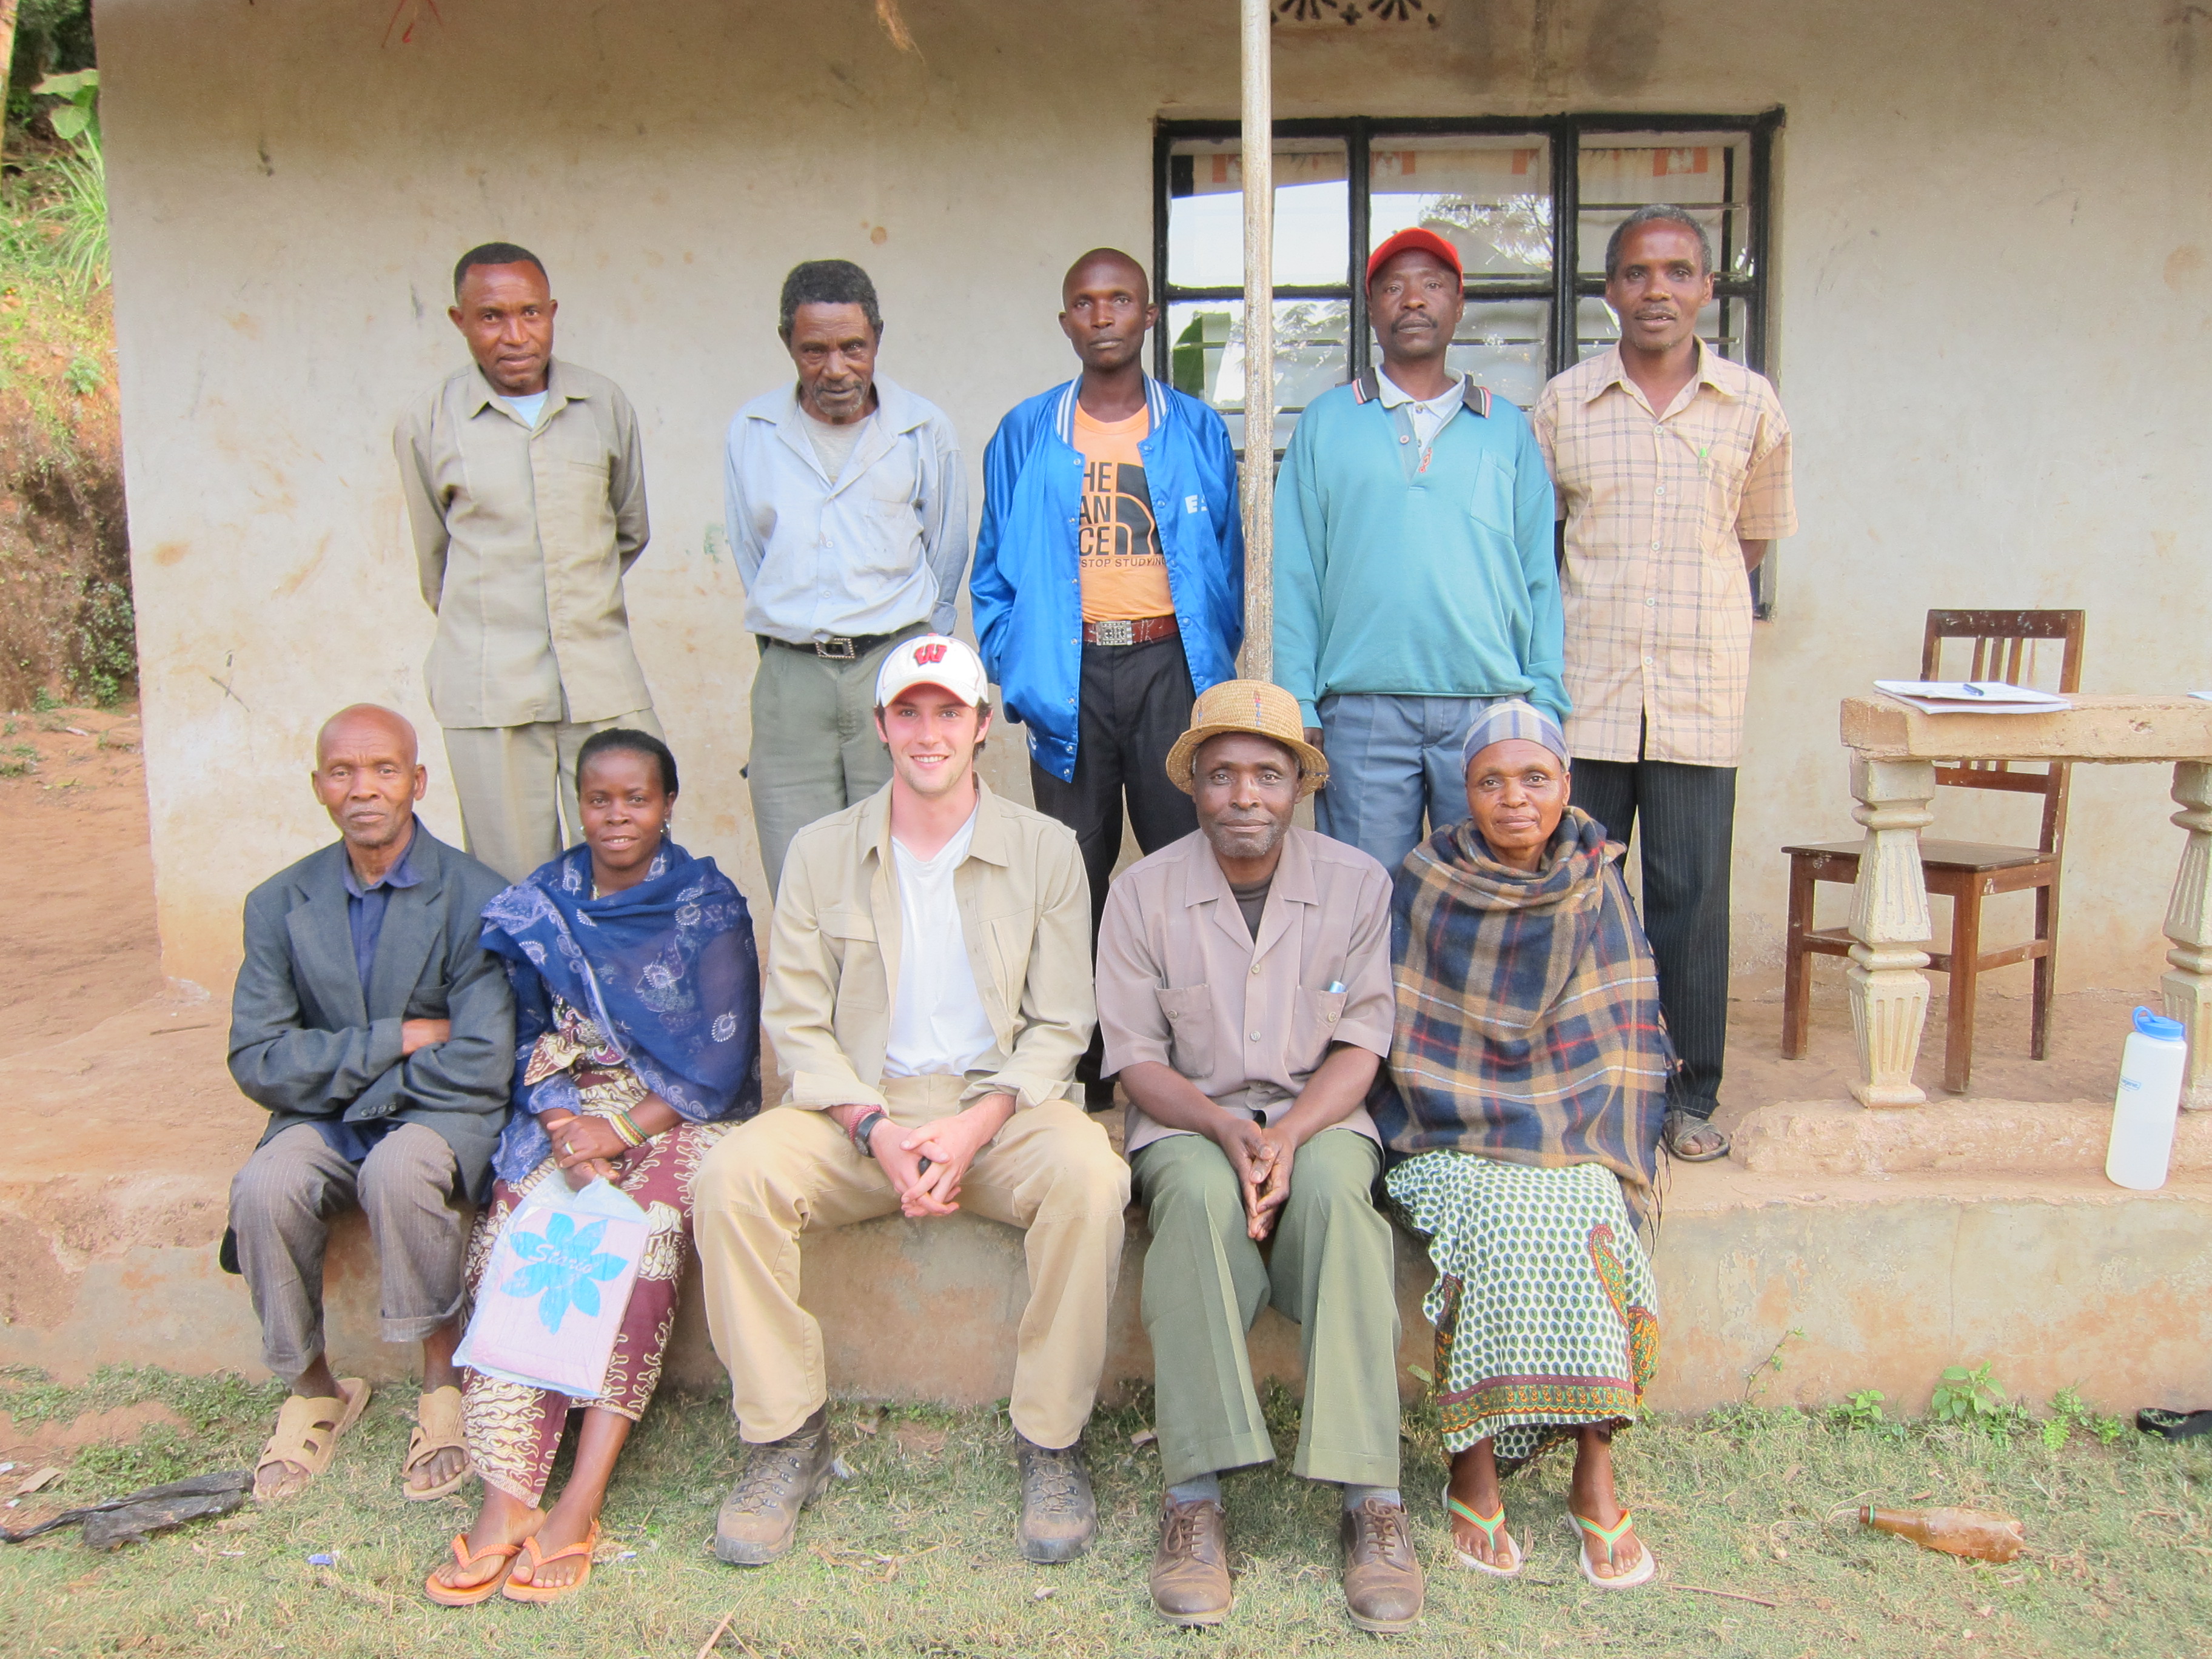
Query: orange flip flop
446, 1597
585, 1547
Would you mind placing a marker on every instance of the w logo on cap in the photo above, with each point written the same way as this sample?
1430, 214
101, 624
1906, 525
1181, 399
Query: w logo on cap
929, 654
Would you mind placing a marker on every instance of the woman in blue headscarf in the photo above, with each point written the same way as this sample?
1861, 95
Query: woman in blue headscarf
637, 1010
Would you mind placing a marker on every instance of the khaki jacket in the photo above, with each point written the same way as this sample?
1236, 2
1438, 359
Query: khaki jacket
522, 535
834, 953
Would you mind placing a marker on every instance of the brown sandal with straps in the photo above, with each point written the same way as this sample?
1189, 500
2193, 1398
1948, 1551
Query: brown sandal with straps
306, 1439
437, 1428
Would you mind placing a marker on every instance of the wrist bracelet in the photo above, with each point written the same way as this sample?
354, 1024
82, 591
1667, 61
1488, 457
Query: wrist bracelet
626, 1127
863, 1126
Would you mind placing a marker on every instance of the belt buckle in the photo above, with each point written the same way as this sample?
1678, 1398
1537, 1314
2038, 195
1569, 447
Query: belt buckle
1114, 632
836, 650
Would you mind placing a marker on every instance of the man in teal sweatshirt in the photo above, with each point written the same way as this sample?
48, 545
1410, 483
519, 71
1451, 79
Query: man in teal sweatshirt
1415, 578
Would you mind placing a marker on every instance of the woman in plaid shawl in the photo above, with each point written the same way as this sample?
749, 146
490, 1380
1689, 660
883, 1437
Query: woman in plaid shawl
1530, 1069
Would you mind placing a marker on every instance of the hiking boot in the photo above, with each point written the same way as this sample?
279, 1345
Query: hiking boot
1059, 1515
760, 1517
1382, 1576
1190, 1572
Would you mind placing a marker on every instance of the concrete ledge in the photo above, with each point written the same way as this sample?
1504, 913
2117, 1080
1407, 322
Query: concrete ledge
1962, 1136
112, 1197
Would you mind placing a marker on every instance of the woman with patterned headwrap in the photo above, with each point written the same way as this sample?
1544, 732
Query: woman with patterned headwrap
637, 1019
1529, 1066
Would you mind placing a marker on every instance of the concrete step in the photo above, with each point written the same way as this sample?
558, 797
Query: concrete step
1866, 1269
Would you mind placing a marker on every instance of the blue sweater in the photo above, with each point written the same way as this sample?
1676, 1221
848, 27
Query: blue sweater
1390, 580
1026, 585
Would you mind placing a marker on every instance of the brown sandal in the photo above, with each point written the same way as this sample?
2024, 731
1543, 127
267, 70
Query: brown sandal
437, 1428
446, 1595
586, 1546
307, 1436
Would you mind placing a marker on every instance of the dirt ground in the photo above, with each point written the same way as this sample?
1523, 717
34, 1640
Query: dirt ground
76, 876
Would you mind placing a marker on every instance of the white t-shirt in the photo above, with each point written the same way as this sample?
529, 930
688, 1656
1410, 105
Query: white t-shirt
529, 408
833, 444
939, 1025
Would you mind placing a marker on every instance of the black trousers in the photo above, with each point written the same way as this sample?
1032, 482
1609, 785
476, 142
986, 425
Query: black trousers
1687, 815
1135, 702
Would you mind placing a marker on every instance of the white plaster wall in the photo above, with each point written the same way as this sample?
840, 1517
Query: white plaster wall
1992, 284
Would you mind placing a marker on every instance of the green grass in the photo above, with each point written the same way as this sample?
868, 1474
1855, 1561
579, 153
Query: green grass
914, 1556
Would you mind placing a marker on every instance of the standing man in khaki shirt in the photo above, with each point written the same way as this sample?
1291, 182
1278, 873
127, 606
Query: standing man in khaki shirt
1244, 989
929, 991
1672, 469
526, 488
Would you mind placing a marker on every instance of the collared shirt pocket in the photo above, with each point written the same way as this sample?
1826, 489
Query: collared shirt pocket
1190, 1011
852, 936
1318, 1014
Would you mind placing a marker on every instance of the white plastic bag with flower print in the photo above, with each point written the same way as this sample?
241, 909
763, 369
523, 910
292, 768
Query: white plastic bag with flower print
553, 1295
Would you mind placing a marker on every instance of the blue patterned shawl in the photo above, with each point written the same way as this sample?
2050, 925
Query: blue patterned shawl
1528, 1026
666, 970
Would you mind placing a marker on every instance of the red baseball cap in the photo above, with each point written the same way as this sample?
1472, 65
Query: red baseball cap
1427, 241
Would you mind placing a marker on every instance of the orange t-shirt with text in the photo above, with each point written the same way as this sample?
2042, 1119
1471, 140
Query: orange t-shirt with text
1124, 573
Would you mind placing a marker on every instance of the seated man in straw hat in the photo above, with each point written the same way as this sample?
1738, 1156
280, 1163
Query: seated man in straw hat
1244, 989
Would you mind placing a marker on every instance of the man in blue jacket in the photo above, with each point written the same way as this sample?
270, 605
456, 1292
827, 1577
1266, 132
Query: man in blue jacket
1109, 582
1415, 579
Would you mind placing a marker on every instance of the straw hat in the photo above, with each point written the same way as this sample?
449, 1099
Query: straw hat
1254, 707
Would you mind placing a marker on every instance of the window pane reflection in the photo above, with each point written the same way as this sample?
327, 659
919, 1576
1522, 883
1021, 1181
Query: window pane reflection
1206, 213
1206, 358
1708, 174
1502, 343
1491, 197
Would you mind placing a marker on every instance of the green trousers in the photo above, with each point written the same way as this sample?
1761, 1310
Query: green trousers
815, 749
1329, 1269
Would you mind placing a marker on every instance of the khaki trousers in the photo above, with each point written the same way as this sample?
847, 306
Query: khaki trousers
1329, 1269
517, 784
1050, 1171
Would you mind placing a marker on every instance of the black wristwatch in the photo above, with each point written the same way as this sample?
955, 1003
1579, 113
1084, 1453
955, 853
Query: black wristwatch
863, 1126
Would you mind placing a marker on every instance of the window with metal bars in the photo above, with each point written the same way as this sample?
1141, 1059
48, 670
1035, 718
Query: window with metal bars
1528, 202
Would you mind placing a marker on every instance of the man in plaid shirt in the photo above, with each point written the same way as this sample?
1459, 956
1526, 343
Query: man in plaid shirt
1671, 466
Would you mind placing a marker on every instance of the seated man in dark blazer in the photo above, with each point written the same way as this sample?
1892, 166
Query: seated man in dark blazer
380, 1036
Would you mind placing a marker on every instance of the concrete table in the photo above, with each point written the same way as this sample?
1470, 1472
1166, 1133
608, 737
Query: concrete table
1894, 749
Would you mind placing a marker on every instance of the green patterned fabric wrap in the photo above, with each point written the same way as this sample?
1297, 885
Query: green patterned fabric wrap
1546, 1314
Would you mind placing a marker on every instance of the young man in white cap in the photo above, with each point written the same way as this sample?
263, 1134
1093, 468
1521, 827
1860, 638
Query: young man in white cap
1244, 990
929, 992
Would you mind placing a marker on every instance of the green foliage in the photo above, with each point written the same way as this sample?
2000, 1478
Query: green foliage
75, 119
44, 702
1861, 1410
84, 375
106, 657
1973, 1400
2069, 1413
51, 36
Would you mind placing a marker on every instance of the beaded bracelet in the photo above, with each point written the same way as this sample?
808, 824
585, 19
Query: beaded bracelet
626, 1127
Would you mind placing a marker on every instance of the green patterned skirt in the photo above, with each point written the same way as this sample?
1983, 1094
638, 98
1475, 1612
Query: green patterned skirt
1543, 1306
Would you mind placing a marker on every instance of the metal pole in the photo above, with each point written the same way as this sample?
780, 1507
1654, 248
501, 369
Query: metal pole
1258, 480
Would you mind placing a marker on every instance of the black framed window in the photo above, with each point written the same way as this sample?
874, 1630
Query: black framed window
1529, 203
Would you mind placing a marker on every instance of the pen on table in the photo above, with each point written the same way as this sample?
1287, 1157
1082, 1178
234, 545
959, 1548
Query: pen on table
1971, 689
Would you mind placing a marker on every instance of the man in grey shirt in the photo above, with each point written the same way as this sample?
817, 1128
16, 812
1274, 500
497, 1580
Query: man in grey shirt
849, 519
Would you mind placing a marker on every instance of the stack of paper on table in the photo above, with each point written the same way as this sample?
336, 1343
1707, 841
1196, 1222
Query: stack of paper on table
1973, 697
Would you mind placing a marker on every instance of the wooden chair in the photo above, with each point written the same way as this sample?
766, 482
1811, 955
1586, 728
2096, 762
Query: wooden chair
1965, 871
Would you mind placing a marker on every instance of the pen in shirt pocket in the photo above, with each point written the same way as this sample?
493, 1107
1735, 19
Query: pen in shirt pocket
1335, 987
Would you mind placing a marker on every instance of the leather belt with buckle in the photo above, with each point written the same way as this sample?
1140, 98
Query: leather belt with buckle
1143, 630
838, 648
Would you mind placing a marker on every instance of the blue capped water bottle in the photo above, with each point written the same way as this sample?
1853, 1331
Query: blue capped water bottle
2151, 1069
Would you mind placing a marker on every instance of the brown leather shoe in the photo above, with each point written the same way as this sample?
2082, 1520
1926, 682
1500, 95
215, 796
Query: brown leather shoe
1190, 1572
1381, 1576
760, 1518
